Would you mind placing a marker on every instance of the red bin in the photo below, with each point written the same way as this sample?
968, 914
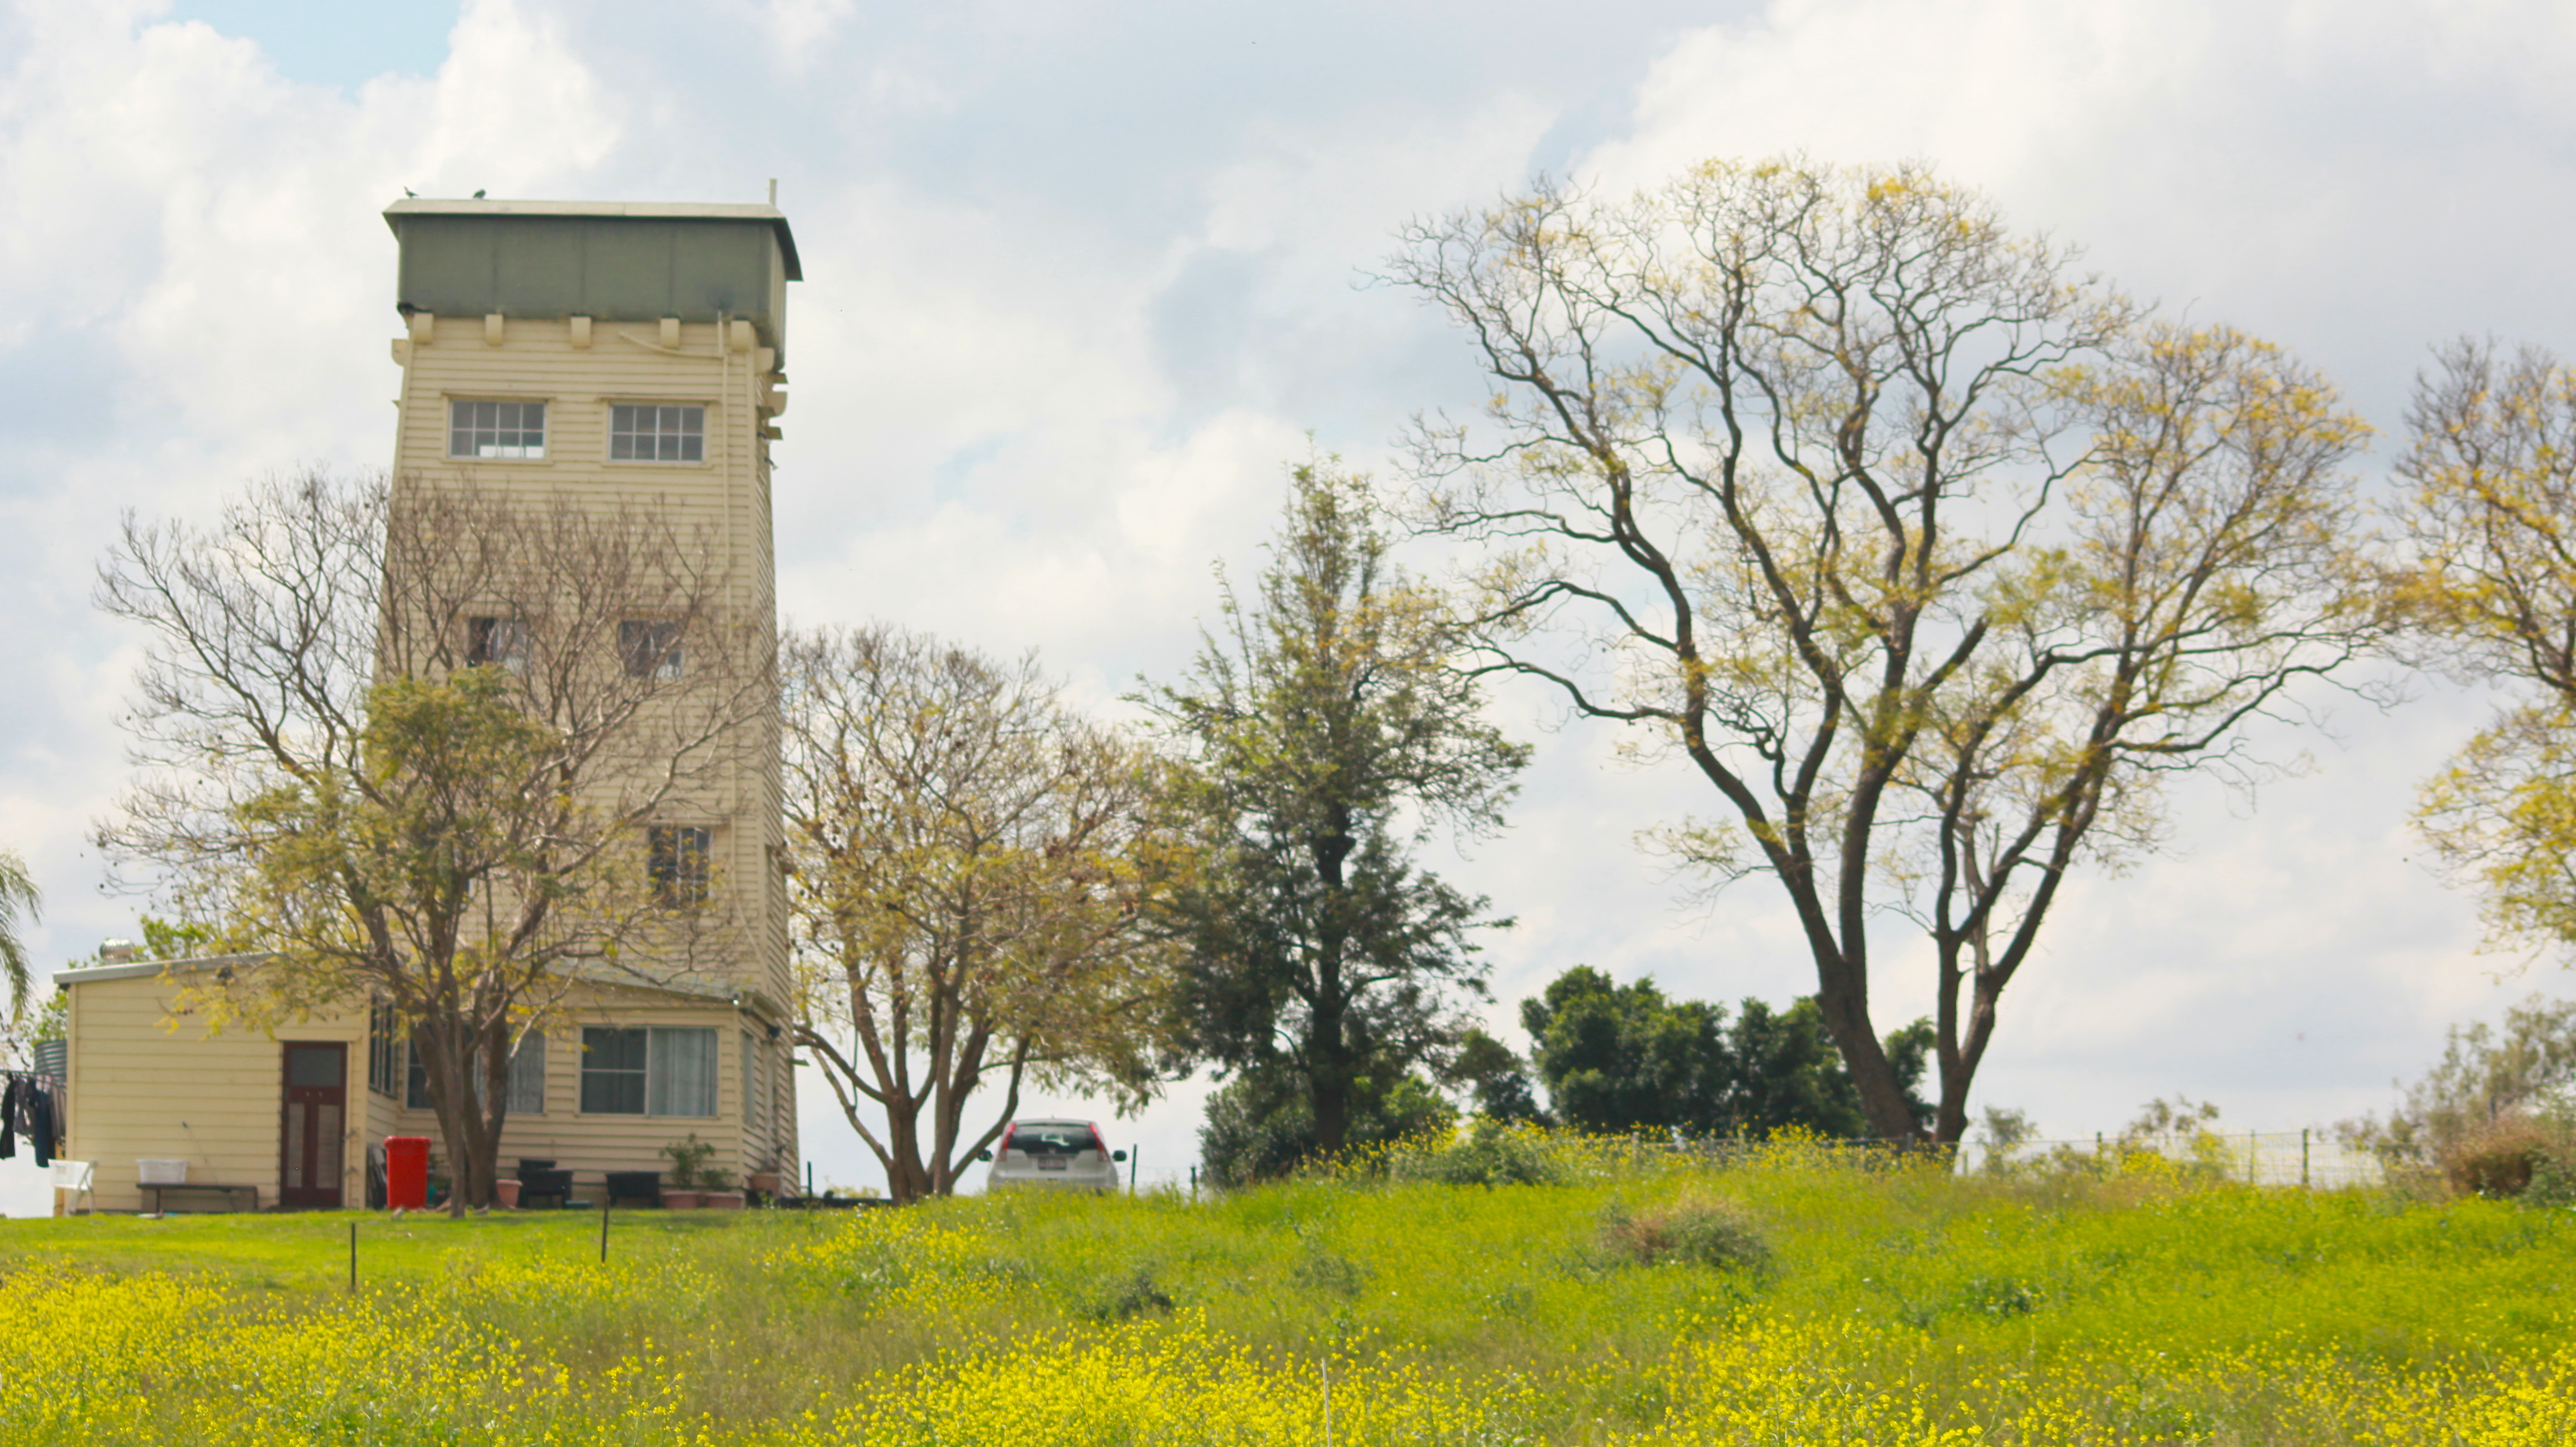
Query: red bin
407, 1172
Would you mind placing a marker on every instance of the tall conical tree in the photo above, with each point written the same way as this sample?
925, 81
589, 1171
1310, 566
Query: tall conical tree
1330, 731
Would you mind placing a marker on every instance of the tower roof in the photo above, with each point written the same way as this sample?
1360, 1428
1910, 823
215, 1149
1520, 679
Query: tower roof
629, 210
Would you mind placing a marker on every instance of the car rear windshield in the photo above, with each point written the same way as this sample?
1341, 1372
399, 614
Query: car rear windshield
1051, 1140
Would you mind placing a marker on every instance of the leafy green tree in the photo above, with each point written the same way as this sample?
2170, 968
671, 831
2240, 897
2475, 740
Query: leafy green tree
1621, 1058
2485, 1075
1326, 730
1261, 1124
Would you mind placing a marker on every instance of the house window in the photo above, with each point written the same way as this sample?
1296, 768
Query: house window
384, 1050
639, 433
650, 646
497, 640
612, 1071
527, 1087
660, 1071
676, 862
496, 429
527, 1093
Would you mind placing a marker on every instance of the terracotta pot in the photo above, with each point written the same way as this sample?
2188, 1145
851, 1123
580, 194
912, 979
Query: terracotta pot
724, 1200
679, 1200
508, 1194
768, 1183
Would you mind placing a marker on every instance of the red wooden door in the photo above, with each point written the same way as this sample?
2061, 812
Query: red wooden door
316, 1099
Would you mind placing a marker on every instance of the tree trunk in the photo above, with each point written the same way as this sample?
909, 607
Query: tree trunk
1328, 1064
1842, 998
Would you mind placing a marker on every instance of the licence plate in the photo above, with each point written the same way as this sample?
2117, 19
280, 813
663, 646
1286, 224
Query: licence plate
1051, 1165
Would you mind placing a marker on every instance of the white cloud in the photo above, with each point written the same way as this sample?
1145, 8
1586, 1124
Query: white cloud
1055, 349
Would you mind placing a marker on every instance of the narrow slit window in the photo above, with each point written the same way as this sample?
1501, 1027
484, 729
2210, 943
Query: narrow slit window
638, 432
492, 430
384, 1049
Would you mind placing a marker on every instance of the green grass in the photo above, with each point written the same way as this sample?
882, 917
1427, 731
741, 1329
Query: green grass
2152, 1307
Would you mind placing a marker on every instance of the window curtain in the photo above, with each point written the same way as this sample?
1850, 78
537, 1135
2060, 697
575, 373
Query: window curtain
528, 1077
682, 1077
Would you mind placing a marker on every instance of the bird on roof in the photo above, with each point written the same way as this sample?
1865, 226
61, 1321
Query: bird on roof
410, 192
478, 195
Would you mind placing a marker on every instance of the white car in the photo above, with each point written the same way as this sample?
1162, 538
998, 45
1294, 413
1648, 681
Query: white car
1067, 1153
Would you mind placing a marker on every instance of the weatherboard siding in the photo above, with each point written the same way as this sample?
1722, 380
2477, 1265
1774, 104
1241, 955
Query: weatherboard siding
145, 1086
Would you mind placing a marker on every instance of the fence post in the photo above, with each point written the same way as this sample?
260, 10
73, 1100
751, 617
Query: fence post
2253, 1155
2303, 1158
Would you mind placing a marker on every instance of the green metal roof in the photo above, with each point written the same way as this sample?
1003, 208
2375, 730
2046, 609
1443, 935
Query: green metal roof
614, 260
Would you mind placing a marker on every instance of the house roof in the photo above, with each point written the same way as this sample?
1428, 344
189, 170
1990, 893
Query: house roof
92, 974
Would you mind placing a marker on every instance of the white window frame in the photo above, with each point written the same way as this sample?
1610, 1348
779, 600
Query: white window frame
677, 441
679, 1072
473, 430
688, 879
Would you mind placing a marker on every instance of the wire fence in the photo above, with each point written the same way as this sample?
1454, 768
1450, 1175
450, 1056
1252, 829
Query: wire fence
2310, 1158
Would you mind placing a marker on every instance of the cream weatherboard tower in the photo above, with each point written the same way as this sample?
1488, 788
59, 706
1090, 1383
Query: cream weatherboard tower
631, 353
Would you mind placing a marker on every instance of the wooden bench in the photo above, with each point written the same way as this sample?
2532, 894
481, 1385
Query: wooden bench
156, 1199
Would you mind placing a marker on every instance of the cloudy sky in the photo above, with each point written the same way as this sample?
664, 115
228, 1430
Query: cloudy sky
1082, 277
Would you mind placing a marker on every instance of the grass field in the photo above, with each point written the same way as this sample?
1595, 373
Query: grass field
1794, 1297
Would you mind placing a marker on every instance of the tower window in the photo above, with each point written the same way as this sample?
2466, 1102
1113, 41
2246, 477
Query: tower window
496, 429
676, 861
497, 640
638, 433
650, 646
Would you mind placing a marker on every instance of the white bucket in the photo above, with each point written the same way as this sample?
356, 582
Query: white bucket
161, 1173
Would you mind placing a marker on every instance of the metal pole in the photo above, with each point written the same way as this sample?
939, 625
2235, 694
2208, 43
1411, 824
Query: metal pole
1134, 1154
353, 1258
2253, 1152
2303, 1158
603, 1224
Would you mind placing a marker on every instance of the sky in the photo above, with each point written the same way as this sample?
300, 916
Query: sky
1082, 279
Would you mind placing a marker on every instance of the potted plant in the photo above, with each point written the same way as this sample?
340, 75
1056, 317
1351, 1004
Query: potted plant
508, 1193
688, 1160
720, 1193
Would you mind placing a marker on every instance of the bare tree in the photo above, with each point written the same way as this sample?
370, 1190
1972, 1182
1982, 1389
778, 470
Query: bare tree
404, 743
1930, 558
2492, 521
971, 866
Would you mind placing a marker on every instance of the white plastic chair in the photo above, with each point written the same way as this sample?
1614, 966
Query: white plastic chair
74, 1176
